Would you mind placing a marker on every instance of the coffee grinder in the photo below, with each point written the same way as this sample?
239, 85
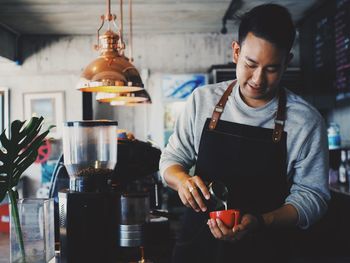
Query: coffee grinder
88, 210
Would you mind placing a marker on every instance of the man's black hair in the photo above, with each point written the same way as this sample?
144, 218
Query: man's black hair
271, 22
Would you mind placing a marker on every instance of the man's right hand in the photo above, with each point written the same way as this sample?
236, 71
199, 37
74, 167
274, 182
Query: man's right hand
189, 189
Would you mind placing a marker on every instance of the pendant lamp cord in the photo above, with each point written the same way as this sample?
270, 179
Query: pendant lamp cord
108, 14
131, 59
121, 26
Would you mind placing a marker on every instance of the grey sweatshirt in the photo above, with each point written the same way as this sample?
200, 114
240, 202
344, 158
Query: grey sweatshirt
307, 147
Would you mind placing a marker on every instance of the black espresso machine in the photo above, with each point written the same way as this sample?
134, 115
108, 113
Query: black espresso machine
99, 212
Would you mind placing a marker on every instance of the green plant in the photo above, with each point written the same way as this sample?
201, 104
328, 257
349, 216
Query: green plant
17, 153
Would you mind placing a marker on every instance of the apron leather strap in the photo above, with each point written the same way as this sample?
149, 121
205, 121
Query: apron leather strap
280, 115
219, 108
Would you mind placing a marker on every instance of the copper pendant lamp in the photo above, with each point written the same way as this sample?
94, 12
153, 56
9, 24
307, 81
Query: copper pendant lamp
125, 99
111, 72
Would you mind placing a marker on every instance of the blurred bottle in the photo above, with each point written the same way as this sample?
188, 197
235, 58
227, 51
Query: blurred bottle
333, 133
343, 173
333, 176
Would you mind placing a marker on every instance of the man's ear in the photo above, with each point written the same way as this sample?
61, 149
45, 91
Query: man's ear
235, 51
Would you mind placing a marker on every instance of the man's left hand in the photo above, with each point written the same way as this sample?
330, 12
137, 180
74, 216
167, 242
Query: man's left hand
220, 231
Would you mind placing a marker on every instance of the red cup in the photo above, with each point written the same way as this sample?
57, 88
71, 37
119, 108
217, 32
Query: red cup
230, 218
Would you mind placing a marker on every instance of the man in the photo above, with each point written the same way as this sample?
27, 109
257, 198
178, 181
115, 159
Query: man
266, 144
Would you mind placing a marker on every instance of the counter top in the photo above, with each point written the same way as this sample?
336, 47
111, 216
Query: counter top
341, 189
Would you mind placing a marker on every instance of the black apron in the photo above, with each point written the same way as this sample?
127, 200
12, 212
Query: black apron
251, 162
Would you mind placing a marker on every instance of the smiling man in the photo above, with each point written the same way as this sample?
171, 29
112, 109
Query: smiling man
266, 144
260, 66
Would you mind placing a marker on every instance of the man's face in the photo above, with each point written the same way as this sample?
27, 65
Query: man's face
260, 65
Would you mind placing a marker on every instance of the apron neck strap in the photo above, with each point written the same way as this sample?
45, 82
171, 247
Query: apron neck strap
280, 114
219, 108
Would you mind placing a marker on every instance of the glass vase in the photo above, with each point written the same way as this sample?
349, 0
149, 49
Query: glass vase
36, 218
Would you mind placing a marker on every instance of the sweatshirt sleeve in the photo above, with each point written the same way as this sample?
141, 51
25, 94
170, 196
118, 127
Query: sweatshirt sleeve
180, 148
309, 193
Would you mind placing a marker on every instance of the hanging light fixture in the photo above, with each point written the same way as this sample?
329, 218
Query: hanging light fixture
125, 98
123, 103
112, 72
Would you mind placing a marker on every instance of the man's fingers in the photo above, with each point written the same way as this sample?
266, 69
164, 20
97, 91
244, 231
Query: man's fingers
193, 204
203, 188
190, 200
238, 228
184, 200
212, 230
215, 229
190, 193
223, 228
193, 197
199, 186
239, 231
198, 199
221, 231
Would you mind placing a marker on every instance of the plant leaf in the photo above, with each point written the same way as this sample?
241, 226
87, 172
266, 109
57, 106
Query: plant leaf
2, 155
30, 159
31, 132
3, 186
19, 151
34, 146
16, 127
5, 143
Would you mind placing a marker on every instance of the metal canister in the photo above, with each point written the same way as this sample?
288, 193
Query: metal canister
134, 214
134, 208
131, 235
